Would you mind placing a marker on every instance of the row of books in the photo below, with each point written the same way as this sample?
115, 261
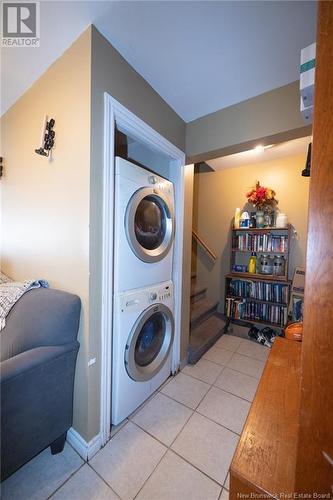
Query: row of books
233, 307
260, 243
247, 310
272, 292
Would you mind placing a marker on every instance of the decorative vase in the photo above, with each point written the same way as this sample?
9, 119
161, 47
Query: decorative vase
260, 219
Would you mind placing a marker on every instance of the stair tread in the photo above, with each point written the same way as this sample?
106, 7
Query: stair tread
197, 289
206, 330
204, 336
201, 308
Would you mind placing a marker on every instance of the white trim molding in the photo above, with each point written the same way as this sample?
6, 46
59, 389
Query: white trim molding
116, 114
84, 449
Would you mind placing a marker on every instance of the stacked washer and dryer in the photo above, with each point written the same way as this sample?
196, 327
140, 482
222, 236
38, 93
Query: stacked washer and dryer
143, 291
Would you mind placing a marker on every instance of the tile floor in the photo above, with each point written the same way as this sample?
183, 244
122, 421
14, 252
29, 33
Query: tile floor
178, 445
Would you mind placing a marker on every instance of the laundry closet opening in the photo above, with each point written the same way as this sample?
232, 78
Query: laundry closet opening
146, 334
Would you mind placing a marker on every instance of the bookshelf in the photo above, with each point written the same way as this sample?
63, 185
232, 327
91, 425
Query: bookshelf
253, 298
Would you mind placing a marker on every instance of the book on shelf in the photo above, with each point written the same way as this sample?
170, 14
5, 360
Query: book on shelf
271, 292
247, 310
260, 243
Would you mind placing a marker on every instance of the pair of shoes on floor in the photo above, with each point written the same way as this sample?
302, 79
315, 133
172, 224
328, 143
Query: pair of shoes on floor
266, 336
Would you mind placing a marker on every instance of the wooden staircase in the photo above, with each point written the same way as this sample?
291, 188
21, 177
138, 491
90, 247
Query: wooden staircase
206, 324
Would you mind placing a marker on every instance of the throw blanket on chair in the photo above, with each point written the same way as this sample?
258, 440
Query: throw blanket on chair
12, 291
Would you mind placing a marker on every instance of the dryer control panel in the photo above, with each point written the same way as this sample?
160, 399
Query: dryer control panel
163, 294
136, 300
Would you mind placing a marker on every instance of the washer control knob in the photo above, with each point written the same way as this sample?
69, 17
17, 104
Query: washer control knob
152, 179
153, 296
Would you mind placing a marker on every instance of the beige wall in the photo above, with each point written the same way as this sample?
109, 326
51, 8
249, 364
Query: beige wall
45, 204
217, 194
52, 211
270, 118
187, 248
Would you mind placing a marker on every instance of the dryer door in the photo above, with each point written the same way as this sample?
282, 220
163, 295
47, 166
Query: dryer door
149, 224
149, 342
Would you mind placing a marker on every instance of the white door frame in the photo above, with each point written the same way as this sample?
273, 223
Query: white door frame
116, 113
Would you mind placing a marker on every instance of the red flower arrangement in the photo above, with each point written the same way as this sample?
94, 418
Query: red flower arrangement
261, 196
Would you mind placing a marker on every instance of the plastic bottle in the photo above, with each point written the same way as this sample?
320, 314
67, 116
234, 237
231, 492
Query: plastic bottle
252, 263
237, 218
245, 220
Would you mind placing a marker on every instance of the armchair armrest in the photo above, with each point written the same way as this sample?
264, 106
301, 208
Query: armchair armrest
18, 365
42, 317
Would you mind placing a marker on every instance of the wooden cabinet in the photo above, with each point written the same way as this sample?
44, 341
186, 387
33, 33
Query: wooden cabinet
265, 458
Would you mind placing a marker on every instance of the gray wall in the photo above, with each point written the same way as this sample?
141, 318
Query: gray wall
111, 73
271, 118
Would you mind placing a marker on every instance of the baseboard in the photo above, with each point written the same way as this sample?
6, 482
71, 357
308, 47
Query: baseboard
84, 449
183, 362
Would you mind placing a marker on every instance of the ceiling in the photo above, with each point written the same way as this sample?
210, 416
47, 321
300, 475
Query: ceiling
253, 156
200, 56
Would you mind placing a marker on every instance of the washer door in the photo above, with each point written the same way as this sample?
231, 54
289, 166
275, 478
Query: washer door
149, 342
149, 224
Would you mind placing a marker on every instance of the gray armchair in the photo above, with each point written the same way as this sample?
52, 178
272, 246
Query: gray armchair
38, 350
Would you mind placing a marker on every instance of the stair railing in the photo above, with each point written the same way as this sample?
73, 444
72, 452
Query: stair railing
204, 245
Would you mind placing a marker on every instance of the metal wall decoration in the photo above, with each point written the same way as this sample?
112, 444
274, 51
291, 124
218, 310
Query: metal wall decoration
47, 139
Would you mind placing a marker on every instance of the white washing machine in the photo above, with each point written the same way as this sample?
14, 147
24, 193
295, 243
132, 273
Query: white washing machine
142, 346
144, 227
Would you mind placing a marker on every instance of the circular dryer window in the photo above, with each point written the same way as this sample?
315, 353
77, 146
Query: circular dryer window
149, 224
149, 342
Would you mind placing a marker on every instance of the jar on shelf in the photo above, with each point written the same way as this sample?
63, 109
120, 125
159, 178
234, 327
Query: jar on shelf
279, 265
260, 220
268, 217
281, 220
265, 264
253, 219
245, 220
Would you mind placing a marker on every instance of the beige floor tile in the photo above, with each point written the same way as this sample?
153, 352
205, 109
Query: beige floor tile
163, 417
166, 382
85, 485
218, 355
207, 446
227, 482
224, 495
175, 479
237, 383
127, 461
186, 390
116, 428
40, 477
244, 364
203, 370
228, 342
225, 409
254, 350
